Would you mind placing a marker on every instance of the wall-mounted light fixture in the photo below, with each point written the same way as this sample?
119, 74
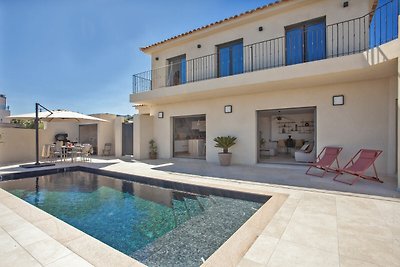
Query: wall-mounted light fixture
338, 100
345, 3
160, 115
228, 109
157, 58
199, 46
260, 29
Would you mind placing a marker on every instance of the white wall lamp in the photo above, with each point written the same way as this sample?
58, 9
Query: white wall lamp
228, 109
338, 100
160, 115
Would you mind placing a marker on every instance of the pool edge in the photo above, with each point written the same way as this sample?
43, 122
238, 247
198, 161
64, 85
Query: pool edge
232, 250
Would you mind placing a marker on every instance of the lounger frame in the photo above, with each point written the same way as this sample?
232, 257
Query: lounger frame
326, 167
360, 174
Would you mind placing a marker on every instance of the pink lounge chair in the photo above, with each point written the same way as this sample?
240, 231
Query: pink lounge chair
325, 160
359, 164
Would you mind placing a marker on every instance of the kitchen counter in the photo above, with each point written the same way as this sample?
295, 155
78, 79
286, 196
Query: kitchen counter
196, 147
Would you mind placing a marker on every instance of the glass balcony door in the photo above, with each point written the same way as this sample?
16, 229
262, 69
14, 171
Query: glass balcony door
230, 59
176, 70
306, 42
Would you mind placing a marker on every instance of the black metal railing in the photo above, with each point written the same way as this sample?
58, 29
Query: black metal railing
309, 44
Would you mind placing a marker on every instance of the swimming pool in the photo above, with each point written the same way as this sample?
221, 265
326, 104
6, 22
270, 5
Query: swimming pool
156, 225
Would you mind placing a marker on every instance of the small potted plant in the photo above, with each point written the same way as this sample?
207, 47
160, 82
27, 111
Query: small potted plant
262, 142
225, 142
153, 149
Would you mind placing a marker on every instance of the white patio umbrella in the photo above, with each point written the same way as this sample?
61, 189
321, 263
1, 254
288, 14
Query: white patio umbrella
58, 116
52, 116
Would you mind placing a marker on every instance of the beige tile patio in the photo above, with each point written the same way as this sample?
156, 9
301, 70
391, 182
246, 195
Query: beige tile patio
4, 209
28, 234
315, 234
312, 203
18, 257
286, 211
12, 221
59, 230
315, 219
249, 263
12, 203
7, 243
349, 207
290, 254
275, 228
365, 226
31, 213
70, 260
262, 249
348, 262
47, 250
368, 248
3, 193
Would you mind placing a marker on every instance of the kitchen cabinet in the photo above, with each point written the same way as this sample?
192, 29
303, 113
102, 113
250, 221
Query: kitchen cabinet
181, 145
196, 147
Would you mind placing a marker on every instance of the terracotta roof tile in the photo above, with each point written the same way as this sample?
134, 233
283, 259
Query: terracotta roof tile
217, 23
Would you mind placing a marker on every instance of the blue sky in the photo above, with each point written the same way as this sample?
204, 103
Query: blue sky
80, 54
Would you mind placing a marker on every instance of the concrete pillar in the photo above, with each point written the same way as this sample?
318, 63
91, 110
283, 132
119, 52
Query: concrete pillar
398, 113
398, 123
118, 136
142, 134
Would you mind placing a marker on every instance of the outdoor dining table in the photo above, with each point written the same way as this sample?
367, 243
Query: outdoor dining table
71, 151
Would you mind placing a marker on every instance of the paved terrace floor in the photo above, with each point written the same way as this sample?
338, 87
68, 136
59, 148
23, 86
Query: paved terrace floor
322, 223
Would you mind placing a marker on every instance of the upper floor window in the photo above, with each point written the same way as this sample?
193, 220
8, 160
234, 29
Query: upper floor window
230, 58
176, 70
305, 41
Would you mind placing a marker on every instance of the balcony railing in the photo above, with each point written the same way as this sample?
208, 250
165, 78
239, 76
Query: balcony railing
339, 39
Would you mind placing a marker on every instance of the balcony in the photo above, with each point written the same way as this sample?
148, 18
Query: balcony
316, 42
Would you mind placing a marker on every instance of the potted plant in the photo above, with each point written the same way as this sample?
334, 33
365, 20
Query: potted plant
225, 142
262, 142
153, 149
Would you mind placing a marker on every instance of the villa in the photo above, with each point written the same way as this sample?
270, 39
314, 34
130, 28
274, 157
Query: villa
289, 79
322, 72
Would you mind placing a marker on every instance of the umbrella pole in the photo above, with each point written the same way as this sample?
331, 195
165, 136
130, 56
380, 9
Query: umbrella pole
36, 122
37, 132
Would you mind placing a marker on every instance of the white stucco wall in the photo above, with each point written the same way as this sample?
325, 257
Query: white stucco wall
363, 122
273, 20
143, 133
106, 132
19, 144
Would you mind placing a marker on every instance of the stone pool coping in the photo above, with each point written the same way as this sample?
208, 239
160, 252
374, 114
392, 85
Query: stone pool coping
97, 253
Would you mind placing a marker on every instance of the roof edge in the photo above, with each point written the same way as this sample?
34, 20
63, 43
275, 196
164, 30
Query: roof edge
213, 24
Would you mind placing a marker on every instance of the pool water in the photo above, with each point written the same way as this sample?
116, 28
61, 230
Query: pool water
155, 225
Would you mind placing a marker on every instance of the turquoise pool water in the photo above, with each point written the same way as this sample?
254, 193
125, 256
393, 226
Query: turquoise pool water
155, 225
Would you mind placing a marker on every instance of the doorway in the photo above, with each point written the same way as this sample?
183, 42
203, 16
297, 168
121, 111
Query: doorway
282, 132
127, 139
88, 135
189, 137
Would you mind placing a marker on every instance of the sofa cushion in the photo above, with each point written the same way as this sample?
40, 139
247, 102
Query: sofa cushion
304, 147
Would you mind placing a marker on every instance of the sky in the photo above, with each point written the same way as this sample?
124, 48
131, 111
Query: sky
80, 55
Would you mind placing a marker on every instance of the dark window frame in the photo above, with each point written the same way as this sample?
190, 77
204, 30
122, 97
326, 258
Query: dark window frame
303, 25
170, 61
224, 45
